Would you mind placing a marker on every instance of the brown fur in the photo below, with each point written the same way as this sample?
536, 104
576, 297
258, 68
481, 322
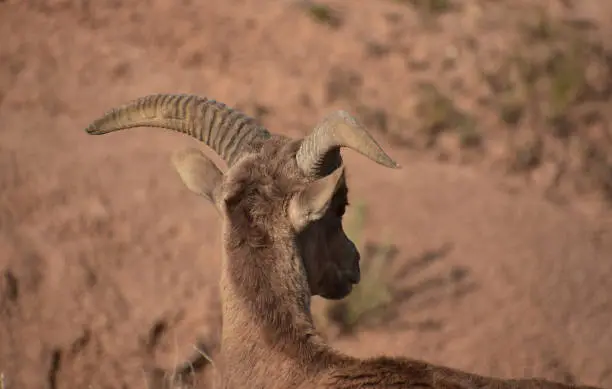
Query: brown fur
269, 273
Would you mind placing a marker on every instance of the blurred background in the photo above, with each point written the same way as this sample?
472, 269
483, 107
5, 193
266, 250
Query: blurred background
490, 251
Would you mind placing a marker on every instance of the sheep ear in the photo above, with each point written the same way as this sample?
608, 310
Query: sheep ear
199, 174
311, 203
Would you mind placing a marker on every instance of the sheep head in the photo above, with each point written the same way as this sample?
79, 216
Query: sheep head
277, 191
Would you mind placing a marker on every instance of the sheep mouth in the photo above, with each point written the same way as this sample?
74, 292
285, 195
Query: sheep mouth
353, 278
341, 291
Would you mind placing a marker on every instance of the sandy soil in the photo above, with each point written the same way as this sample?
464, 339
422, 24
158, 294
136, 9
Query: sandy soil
109, 266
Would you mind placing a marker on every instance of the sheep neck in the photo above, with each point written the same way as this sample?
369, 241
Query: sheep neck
266, 312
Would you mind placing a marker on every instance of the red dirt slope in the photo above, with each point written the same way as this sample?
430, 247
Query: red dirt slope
109, 266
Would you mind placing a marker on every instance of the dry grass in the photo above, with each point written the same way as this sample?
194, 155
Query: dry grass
324, 14
438, 114
183, 377
552, 93
430, 7
430, 10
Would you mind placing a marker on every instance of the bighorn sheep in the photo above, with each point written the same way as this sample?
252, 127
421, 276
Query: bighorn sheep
282, 202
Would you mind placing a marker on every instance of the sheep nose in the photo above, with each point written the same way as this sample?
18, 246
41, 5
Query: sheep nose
356, 253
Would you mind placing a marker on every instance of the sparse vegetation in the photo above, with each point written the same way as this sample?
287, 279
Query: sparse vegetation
430, 7
324, 14
511, 110
429, 10
541, 91
438, 114
542, 29
181, 377
527, 156
567, 79
469, 137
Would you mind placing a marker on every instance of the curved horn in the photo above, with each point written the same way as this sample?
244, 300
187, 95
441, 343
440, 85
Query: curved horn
227, 131
338, 129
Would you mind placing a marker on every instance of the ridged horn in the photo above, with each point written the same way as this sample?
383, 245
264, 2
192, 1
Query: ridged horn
227, 131
339, 129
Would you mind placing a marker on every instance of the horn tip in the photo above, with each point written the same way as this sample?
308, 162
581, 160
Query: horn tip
92, 130
95, 128
390, 163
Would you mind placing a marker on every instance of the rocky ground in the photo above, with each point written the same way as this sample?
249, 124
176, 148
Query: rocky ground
498, 111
